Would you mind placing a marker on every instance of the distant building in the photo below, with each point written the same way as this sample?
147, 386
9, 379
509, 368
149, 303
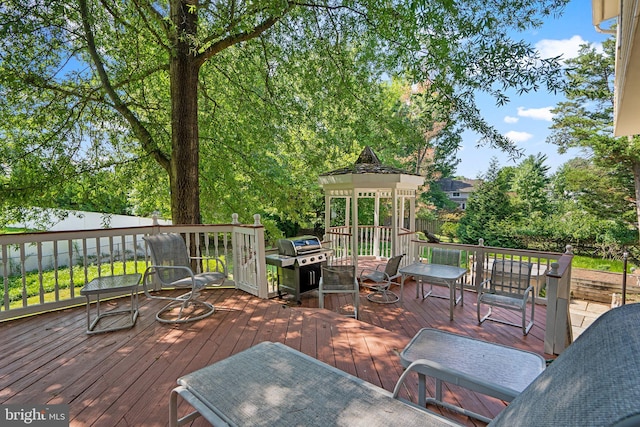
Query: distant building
458, 190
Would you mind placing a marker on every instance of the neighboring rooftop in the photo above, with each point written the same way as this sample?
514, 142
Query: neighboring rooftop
458, 185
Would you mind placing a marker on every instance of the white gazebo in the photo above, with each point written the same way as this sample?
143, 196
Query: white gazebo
392, 190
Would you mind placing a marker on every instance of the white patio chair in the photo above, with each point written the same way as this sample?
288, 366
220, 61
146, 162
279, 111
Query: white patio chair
339, 279
509, 288
380, 280
171, 265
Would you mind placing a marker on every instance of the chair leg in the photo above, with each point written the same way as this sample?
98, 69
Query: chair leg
383, 296
356, 303
480, 317
184, 301
526, 328
487, 316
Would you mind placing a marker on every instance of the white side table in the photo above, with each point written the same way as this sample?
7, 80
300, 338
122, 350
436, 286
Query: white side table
112, 284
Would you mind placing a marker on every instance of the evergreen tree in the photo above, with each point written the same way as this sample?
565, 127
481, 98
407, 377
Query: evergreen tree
489, 210
585, 119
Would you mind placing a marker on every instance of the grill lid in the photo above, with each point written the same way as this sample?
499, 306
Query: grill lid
296, 246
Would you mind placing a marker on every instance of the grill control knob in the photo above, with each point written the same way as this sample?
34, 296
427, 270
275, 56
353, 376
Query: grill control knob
303, 261
312, 259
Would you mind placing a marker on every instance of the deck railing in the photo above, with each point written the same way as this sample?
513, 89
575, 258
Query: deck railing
45, 271
550, 277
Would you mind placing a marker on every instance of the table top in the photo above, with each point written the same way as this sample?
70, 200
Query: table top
111, 283
271, 384
496, 369
436, 271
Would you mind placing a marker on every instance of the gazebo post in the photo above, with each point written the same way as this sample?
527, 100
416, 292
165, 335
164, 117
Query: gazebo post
394, 222
327, 215
376, 226
354, 233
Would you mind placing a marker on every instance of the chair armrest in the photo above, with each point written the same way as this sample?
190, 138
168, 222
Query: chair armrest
171, 267
386, 276
153, 269
212, 258
482, 284
414, 366
453, 376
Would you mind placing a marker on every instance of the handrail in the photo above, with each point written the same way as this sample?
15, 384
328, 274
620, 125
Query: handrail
49, 256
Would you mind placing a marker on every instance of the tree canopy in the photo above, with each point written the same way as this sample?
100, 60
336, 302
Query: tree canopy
217, 107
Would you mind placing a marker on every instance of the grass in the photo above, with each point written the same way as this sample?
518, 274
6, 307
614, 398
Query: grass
599, 264
32, 281
15, 230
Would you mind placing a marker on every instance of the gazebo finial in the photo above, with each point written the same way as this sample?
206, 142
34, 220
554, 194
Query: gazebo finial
368, 157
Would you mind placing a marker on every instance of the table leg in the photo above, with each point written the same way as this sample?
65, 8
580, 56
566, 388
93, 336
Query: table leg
438, 390
402, 288
173, 409
452, 298
422, 390
88, 313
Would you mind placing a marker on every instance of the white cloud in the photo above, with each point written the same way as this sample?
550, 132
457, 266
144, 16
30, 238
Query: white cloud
509, 119
543, 113
518, 136
568, 48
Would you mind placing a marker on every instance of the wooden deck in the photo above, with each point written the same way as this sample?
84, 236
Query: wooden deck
123, 378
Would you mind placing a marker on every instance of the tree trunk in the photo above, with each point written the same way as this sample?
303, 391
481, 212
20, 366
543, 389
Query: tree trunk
184, 173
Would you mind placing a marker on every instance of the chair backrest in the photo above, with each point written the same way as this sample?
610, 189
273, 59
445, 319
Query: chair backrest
594, 382
169, 249
393, 265
445, 256
339, 277
510, 277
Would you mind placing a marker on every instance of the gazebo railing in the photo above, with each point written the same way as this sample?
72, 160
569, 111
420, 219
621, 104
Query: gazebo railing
373, 241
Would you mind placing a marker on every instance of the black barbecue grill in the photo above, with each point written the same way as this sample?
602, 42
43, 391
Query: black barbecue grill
299, 261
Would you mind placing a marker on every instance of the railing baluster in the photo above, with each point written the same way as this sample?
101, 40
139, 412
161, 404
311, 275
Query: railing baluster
56, 283
6, 267
71, 265
40, 279
24, 274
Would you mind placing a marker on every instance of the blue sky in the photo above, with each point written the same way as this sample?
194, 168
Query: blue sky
526, 119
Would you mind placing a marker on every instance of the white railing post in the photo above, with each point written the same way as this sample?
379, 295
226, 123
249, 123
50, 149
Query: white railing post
479, 263
558, 334
249, 258
261, 264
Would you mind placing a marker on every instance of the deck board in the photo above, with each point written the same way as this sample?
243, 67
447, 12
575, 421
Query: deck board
123, 378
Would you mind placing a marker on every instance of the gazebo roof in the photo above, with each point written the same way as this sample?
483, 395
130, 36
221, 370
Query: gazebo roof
368, 172
368, 162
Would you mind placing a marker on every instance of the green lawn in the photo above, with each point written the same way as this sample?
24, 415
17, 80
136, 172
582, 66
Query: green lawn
614, 266
64, 281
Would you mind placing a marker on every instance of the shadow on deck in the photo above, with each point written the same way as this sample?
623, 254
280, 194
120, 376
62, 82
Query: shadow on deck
123, 378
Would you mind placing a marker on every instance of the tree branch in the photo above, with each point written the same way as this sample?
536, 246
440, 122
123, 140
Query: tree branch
143, 135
